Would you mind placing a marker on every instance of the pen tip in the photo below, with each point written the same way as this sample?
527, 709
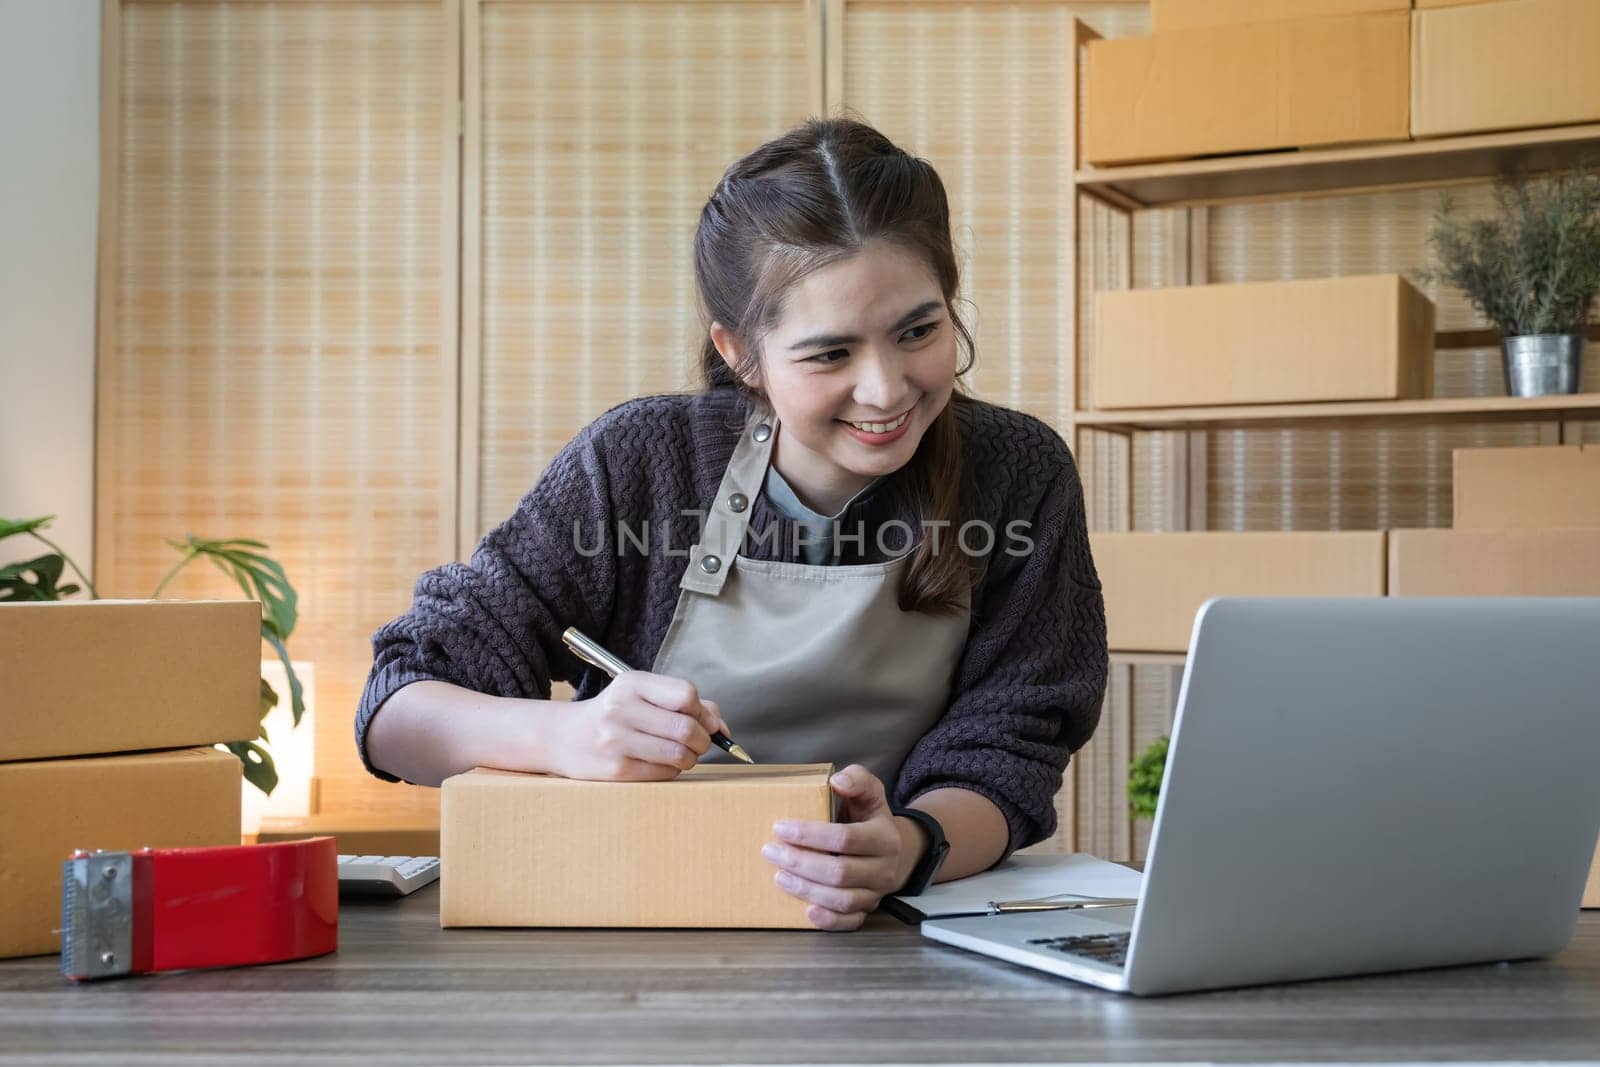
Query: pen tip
739, 752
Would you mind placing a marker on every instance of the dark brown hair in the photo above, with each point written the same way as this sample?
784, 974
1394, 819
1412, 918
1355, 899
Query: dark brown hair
821, 193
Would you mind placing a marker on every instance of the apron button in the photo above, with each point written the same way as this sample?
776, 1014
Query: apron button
710, 564
762, 432
738, 502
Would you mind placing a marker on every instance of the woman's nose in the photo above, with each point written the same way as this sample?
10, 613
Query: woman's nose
881, 385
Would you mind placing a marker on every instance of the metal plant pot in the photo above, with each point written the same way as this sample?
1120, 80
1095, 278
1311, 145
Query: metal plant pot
1542, 364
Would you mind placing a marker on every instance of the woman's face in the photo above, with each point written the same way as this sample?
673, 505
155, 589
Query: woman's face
861, 364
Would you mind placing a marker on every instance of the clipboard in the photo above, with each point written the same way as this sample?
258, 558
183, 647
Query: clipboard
1029, 882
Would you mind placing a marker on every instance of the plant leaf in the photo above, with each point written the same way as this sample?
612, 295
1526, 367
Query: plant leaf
269, 698
260, 577
297, 702
12, 527
16, 586
259, 769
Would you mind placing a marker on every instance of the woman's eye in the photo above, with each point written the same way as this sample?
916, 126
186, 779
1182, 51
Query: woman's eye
825, 360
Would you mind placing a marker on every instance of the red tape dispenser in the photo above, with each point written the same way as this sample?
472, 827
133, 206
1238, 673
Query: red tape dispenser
170, 909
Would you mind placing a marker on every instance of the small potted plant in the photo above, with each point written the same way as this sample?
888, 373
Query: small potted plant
260, 577
1144, 779
1533, 271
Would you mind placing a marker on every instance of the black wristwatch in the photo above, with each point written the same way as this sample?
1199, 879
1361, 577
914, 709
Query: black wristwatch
921, 875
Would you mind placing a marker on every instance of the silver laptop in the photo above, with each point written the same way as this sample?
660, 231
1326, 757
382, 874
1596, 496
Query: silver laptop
1354, 785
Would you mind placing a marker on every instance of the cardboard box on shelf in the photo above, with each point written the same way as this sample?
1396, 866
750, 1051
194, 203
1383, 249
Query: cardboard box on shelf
363, 835
1169, 15
48, 808
1364, 337
84, 677
1529, 488
1504, 65
1494, 562
540, 850
1292, 83
1154, 583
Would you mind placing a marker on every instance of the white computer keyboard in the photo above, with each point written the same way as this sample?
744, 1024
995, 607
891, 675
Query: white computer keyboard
385, 876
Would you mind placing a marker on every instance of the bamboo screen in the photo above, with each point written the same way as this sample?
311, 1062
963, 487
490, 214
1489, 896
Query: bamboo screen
276, 339
604, 129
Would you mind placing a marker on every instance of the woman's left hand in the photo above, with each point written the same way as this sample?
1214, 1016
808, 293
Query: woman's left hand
842, 869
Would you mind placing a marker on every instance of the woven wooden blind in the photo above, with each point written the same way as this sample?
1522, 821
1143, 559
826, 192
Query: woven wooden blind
277, 328
596, 133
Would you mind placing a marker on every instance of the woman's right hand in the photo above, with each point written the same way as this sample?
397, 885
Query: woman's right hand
642, 727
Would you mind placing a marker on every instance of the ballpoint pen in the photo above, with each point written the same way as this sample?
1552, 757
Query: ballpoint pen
586, 649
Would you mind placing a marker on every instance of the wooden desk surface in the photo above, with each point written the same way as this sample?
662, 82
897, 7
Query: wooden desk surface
401, 990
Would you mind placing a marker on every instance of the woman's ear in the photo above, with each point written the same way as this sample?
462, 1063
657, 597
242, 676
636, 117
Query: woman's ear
732, 354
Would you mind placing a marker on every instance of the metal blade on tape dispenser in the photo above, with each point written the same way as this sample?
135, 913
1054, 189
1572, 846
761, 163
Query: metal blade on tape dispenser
97, 914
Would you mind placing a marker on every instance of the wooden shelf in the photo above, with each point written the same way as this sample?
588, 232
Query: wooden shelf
1394, 164
1335, 415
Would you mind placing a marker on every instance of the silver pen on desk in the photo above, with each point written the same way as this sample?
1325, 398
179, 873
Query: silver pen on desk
997, 907
587, 649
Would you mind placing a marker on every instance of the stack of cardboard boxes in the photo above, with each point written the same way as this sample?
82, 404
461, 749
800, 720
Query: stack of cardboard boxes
108, 711
1230, 76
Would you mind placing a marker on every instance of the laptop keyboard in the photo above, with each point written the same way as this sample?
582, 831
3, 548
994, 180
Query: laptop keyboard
1105, 948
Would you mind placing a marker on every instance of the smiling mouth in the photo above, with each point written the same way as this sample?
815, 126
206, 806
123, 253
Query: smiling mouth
881, 427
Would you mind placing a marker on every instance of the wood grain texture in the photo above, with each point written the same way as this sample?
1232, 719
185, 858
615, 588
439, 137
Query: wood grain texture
401, 990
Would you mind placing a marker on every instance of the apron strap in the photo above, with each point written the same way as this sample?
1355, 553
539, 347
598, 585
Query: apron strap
711, 558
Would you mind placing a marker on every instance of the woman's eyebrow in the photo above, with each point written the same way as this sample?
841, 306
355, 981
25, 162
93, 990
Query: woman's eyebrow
907, 319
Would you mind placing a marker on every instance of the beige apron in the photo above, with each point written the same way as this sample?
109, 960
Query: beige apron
809, 664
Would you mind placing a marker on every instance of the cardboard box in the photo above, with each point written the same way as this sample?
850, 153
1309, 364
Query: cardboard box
48, 808
1291, 83
1504, 65
1154, 583
363, 835
1450, 3
540, 850
95, 676
1364, 337
1591, 891
1533, 488
1494, 562
1167, 16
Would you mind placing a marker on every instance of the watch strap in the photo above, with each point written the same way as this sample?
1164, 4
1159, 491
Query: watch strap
922, 874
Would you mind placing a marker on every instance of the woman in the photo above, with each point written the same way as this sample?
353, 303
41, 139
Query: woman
832, 541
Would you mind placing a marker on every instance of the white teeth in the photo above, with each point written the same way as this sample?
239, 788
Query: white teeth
882, 427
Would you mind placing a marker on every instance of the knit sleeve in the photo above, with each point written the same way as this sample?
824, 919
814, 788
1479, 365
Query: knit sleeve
494, 624
1032, 677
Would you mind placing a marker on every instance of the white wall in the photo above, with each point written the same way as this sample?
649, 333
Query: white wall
49, 198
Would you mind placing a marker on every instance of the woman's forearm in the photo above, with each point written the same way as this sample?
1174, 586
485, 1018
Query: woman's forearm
972, 824
427, 731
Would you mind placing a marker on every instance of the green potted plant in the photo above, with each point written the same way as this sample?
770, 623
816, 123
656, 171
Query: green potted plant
260, 577
1533, 271
1144, 778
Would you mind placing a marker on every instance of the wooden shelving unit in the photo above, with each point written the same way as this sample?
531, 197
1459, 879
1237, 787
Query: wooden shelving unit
1197, 184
